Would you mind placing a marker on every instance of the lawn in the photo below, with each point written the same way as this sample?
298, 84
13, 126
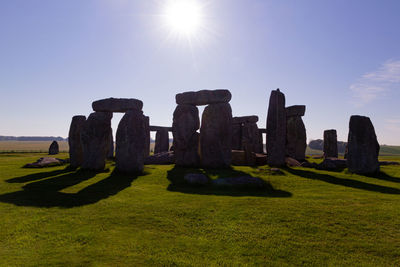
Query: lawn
57, 216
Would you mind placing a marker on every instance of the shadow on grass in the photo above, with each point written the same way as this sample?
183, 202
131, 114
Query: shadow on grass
175, 176
385, 177
344, 181
38, 176
45, 193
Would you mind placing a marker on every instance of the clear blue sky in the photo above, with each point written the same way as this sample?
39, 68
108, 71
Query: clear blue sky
338, 57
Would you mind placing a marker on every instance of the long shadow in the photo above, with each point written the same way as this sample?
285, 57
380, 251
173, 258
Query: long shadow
38, 176
344, 181
385, 177
175, 176
45, 193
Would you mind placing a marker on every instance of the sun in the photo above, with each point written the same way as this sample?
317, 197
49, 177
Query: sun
183, 17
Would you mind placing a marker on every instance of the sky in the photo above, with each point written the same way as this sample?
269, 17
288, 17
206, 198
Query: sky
339, 58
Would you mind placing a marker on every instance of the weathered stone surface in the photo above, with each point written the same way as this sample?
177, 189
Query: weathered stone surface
291, 162
162, 141
117, 104
276, 129
186, 122
161, 158
297, 110
131, 142
296, 138
46, 162
216, 136
363, 146
251, 136
245, 119
95, 138
110, 153
330, 144
196, 179
147, 132
237, 136
74, 141
203, 97
53, 149
160, 128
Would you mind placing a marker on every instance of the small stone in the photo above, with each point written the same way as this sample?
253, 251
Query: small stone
117, 105
46, 162
204, 97
53, 149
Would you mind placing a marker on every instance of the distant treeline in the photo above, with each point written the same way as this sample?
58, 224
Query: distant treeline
319, 145
31, 138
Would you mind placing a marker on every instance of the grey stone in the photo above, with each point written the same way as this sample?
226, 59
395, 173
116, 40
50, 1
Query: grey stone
216, 136
296, 138
53, 149
162, 141
363, 146
251, 136
117, 104
110, 153
46, 162
196, 179
203, 97
276, 129
297, 110
74, 141
95, 138
245, 119
330, 144
237, 136
131, 142
147, 140
186, 122
332, 164
163, 158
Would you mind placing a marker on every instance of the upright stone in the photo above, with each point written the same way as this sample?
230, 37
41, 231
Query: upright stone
330, 144
74, 141
53, 149
162, 141
186, 122
276, 129
216, 136
110, 153
131, 142
363, 146
250, 136
147, 131
296, 138
237, 136
95, 138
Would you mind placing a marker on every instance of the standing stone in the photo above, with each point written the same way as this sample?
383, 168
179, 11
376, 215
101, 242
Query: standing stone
250, 135
237, 136
363, 146
276, 129
95, 138
296, 138
330, 144
216, 136
147, 142
186, 122
131, 142
162, 141
53, 149
110, 153
260, 142
74, 141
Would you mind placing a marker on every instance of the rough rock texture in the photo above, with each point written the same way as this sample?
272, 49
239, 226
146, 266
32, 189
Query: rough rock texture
363, 147
291, 162
216, 136
147, 130
53, 149
162, 141
117, 104
330, 144
294, 111
159, 128
296, 138
203, 97
237, 136
186, 122
276, 129
46, 162
239, 158
245, 119
131, 142
160, 158
95, 138
74, 141
251, 136
196, 179
110, 153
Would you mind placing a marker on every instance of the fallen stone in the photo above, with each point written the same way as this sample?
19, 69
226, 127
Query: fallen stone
203, 97
307, 164
164, 158
117, 105
295, 111
276, 129
363, 146
240, 182
332, 164
46, 162
196, 179
53, 149
245, 119
291, 162
74, 141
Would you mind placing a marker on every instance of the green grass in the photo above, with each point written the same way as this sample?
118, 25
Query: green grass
56, 216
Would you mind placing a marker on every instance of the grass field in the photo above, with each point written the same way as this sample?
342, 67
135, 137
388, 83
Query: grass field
56, 216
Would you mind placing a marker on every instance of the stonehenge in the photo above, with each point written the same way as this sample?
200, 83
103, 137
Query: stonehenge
330, 144
74, 141
117, 105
